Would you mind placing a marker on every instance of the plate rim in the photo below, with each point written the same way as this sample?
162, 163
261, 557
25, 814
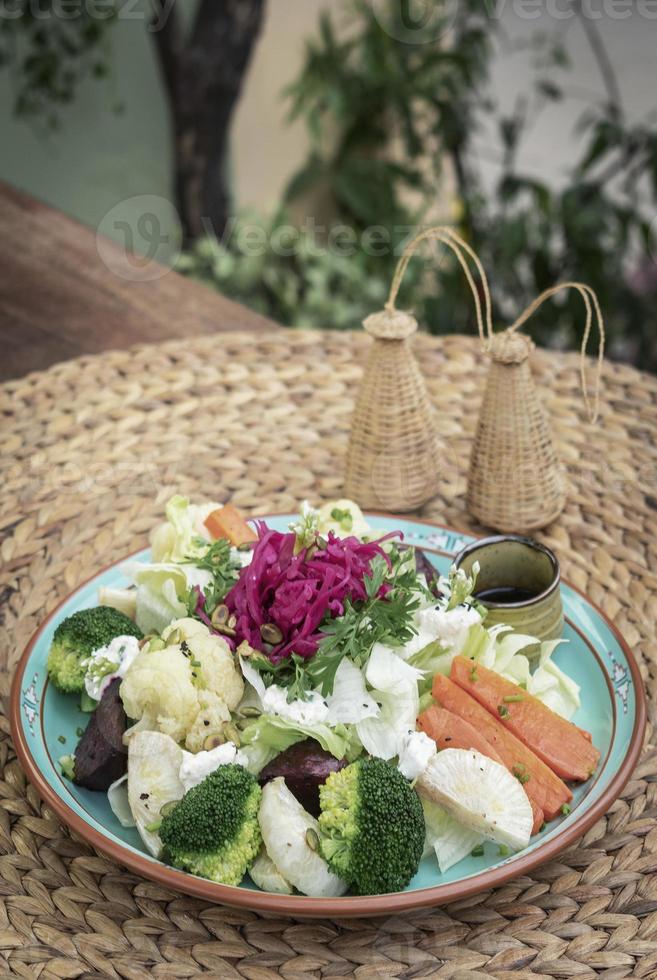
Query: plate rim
304, 906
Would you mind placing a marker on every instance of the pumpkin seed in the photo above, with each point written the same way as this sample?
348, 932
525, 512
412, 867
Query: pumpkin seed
212, 741
250, 711
220, 615
225, 630
271, 633
168, 808
312, 839
232, 734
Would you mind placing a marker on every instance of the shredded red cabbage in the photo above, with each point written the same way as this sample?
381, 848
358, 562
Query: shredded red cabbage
297, 592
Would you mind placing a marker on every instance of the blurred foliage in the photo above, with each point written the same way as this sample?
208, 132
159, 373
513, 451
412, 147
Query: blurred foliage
389, 120
397, 117
52, 46
286, 273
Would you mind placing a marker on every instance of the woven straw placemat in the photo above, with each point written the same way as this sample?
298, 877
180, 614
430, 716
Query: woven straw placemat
92, 449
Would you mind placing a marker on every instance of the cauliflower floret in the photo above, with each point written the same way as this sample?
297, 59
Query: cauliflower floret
158, 690
188, 689
217, 672
184, 629
210, 719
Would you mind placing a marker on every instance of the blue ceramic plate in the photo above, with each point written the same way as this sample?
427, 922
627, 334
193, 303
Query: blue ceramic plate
44, 724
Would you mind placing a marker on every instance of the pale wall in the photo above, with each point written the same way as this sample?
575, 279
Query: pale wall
99, 159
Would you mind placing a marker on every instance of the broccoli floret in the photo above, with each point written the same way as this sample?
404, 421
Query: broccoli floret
372, 827
77, 637
214, 831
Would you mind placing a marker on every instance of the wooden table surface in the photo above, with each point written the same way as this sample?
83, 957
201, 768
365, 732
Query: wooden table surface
59, 298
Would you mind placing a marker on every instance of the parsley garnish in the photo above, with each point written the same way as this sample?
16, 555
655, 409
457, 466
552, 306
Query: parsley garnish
388, 619
224, 570
502, 711
291, 673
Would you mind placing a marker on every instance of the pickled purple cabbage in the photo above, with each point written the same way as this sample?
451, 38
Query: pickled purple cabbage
298, 592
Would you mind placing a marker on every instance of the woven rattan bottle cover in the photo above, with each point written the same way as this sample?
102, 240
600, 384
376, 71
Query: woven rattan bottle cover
394, 453
393, 449
516, 482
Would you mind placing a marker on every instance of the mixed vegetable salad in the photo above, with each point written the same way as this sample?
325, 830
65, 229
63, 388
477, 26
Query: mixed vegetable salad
317, 709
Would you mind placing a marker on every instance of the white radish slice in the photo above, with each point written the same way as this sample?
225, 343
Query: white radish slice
267, 877
285, 824
445, 837
153, 779
117, 797
480, 794
455, 843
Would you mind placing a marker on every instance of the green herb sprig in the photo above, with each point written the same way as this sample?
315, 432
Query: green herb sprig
376, 620
224, 569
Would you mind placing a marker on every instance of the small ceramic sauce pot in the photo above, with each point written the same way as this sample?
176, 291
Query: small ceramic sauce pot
519, 583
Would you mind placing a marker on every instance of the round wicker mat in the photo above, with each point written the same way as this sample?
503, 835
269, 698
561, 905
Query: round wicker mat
92, 449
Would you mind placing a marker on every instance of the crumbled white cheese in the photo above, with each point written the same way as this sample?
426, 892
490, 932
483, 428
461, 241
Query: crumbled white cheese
313, 711
109, 662
196, 766
415, 752
449, 627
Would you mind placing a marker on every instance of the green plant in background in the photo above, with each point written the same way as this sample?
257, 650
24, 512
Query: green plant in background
291, 275
51, 47
52, 55
389, 121
357, 94
395, 127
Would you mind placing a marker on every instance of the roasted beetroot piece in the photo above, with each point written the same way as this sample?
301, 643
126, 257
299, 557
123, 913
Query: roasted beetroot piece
101, 757
305, 766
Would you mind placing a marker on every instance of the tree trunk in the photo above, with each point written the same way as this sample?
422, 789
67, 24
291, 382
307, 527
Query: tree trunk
204, 77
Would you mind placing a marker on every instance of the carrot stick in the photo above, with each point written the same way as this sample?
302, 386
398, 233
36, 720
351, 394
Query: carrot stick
450, 731
545, 790
556, 741
227, 522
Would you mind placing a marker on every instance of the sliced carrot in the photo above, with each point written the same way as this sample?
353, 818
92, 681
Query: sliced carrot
545, 790
556, 741
450, 731
227, 522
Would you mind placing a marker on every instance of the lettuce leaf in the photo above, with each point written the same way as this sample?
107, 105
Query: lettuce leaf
162, 590
552, 686
265, 737
500, 650
184, 534
431, 659
350, 702
394, 685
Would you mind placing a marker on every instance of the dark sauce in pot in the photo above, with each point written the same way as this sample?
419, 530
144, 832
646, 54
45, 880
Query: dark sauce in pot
505, 593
